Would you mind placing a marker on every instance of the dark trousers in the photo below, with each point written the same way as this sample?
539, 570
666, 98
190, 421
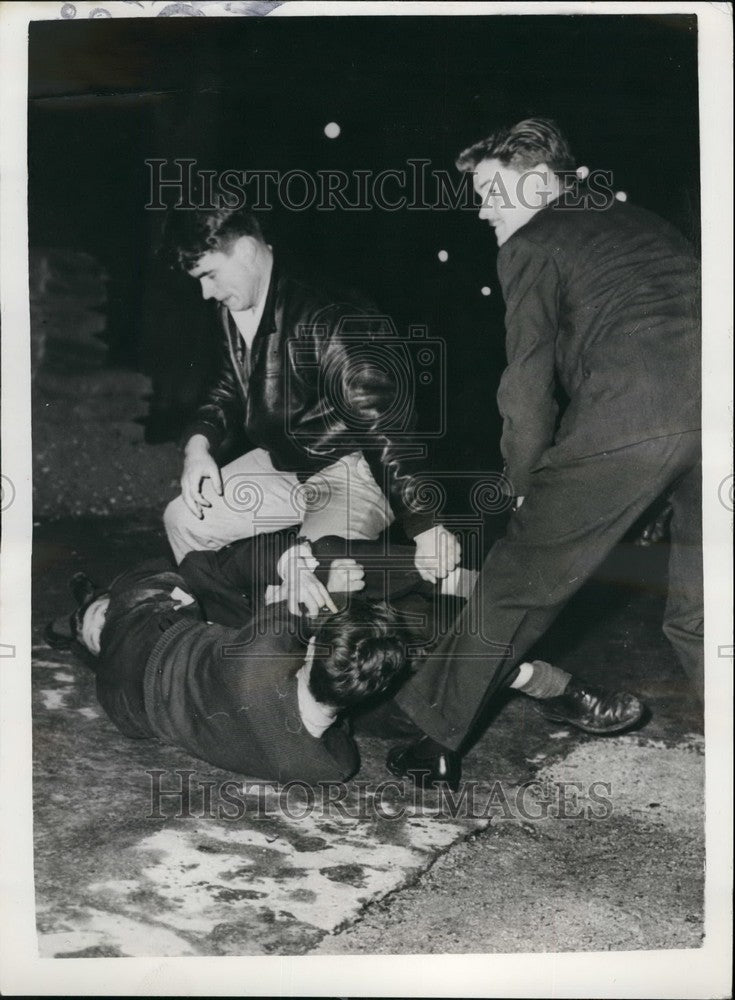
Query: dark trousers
141, 609
576, 511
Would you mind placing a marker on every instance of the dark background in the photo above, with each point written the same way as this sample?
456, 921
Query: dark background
248, 93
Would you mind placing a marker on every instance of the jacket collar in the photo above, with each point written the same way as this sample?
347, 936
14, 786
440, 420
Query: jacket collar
268, 319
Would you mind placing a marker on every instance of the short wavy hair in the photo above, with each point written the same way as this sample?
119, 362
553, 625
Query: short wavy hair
366, 654
521, 147
190, 233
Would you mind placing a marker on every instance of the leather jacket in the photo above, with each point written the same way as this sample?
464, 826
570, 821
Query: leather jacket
324, 378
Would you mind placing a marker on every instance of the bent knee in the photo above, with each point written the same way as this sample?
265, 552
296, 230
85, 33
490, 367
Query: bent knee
175, 513
183, 530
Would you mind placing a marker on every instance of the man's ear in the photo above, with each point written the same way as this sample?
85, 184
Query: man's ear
245, 249
549, 179
539, 185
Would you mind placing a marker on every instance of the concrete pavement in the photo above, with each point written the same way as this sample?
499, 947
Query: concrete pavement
572, 843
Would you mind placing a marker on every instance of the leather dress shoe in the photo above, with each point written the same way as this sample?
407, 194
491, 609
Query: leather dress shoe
428, 763
61, 633
592, 709
83, 590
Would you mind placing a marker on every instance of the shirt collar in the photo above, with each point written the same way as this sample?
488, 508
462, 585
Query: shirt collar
316, 717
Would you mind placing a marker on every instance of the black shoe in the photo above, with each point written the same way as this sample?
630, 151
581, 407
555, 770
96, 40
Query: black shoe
61, 633
592, 709
428, 763
58, 633
83, 590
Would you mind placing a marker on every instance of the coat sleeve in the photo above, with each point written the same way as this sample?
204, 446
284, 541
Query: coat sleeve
230, 582
220, 415
366, 384
526, 397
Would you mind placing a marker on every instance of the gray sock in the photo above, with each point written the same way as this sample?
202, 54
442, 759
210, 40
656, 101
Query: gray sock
547, 681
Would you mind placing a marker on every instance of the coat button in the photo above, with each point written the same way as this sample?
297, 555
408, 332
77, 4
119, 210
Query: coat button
586, 373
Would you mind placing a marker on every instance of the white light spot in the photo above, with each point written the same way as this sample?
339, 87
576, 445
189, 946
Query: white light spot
621, 195
332, 130
485, 290
583, 173
443, 256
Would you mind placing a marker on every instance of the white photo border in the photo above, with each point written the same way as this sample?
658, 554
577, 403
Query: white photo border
703, 972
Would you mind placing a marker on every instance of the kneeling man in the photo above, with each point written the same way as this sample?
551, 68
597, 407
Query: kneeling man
304, 380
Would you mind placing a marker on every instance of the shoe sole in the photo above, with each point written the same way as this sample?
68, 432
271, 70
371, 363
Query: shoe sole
617, 728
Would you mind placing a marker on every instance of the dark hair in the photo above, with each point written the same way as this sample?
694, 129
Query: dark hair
521, 147
366, 654
190, 233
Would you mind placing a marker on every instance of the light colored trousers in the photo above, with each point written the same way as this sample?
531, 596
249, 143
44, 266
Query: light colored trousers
343, 499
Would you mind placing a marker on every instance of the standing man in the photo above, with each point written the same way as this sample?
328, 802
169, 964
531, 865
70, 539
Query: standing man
603, 303
316, 402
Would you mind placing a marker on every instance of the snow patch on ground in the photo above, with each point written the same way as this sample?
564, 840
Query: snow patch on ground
196, 873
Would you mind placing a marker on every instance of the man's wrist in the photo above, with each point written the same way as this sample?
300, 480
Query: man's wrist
197, 444
300, 550
426, 533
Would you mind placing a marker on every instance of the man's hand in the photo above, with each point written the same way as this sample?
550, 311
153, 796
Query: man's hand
296, 568
437, 553
198, 466
345, 576
656, 529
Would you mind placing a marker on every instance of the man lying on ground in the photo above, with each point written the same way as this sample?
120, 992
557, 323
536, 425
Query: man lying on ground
429, 615
267, 693
265, 699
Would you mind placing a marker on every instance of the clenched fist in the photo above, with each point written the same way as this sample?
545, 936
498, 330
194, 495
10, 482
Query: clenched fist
438, 551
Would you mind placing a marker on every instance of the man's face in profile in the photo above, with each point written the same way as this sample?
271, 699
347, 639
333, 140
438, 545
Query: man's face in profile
229, 276
509, 199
